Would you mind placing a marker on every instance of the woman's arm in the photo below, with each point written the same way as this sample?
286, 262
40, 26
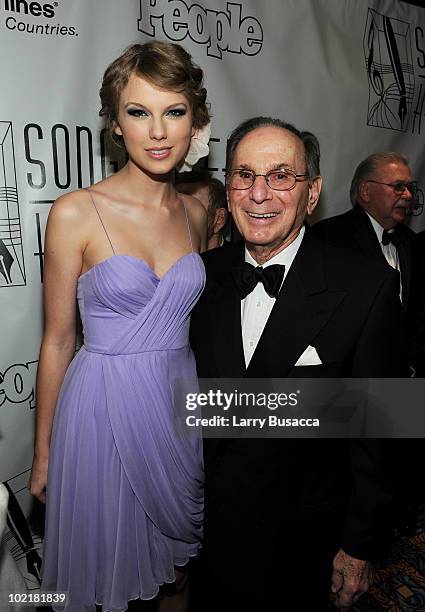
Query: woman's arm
63, 257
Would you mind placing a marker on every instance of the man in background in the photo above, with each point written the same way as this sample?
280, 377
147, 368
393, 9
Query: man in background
383, 195
212, 194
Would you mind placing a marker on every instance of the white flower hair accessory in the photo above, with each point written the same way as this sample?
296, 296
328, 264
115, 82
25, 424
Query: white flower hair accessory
198, 148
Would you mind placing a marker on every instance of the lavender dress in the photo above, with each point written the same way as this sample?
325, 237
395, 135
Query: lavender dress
124, 493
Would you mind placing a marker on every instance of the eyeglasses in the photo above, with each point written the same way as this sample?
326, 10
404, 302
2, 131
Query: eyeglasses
280, 180
400, 187
417, 201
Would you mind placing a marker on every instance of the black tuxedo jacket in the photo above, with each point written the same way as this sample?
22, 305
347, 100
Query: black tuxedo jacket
348, 310
354, 230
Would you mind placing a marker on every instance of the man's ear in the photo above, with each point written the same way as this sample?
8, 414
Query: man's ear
220, 218
116, 128
363, 191
314, 194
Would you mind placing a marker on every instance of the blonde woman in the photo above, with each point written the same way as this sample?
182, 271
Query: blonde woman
124, 494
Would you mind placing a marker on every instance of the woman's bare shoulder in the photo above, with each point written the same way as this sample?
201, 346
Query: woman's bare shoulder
70, 206
194, 207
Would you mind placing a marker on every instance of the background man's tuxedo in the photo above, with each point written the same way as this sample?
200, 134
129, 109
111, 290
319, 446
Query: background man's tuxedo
354, 230
272, 504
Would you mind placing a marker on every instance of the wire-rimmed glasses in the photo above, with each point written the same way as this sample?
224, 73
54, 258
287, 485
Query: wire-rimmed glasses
399, 188
280, 180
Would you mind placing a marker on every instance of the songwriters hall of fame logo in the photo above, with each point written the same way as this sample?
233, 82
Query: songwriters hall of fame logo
12, 269
388, 54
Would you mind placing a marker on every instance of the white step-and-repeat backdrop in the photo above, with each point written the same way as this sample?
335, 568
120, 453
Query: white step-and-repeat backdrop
351, 71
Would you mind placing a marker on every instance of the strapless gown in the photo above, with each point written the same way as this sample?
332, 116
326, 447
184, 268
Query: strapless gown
124, 492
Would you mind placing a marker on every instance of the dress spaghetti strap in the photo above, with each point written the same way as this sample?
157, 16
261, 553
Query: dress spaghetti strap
101, 220
188, 225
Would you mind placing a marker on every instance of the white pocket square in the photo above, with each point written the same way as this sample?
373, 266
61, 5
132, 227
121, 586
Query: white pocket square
309, 357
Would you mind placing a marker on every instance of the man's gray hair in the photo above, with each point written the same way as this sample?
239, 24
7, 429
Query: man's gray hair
368, 167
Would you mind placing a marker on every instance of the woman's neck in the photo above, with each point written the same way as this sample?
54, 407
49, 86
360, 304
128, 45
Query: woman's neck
152, 189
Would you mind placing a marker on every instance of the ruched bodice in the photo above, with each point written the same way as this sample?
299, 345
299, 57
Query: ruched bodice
143, 312
125, 492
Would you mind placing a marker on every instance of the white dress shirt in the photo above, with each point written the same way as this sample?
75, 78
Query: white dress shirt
389, 250
257, 306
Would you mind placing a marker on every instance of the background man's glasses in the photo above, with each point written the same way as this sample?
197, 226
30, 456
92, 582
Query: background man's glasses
417, 201
400, 187
280, 180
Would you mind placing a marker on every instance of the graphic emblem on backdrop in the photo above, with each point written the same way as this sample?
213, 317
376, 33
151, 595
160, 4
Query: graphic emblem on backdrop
12, 269
388, 54
24, 545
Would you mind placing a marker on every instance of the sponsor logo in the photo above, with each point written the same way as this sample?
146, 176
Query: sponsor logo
12, 267
219, 31
20, 15
17, 384
396, 102
36, 9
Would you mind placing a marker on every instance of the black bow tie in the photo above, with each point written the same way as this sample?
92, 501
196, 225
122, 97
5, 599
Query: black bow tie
392, 237
246, 278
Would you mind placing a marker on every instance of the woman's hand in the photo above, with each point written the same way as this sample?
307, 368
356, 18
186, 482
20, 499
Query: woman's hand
38, 479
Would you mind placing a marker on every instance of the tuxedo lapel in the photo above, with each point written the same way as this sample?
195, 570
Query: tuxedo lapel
366, 240
224, 308
405, 261
364, 236
225, 303
303, 307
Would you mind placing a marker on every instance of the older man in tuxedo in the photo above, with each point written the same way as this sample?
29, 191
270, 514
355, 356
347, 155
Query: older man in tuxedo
382, 195
284, 518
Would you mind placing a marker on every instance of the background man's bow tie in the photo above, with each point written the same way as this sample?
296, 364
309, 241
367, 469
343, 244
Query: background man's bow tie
392, 237
246, 278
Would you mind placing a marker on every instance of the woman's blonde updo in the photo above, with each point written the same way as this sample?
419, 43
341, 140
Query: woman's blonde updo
165, 65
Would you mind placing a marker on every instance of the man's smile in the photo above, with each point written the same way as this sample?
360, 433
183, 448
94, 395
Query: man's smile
267, 215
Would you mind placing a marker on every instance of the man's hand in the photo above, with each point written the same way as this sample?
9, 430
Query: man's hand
350, 578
